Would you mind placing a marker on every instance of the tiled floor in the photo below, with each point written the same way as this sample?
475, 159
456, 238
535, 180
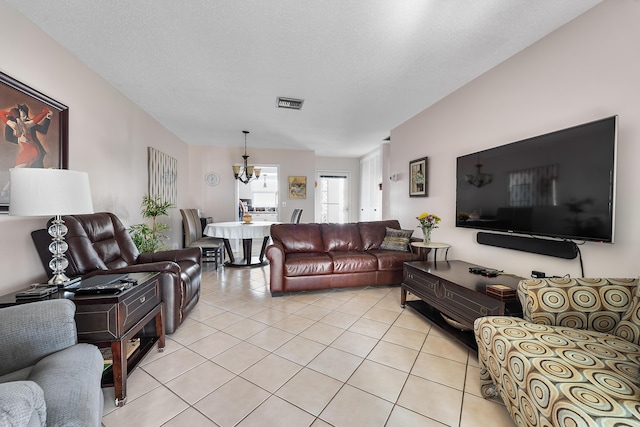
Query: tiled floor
339, 358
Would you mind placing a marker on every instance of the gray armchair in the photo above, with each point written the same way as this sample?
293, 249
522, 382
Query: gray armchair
46, 377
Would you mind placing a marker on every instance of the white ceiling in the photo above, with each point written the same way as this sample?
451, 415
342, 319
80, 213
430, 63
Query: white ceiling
208, 69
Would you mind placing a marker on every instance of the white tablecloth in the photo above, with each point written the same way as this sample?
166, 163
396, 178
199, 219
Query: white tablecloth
239, 230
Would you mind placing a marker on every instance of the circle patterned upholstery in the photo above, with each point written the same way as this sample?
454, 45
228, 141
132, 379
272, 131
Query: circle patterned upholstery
557, 377
575, 358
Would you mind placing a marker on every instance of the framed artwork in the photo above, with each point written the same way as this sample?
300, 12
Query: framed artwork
163, 173
297, 187
34, 131
418, 177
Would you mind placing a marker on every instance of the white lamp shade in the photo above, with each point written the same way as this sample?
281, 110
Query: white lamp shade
44, 192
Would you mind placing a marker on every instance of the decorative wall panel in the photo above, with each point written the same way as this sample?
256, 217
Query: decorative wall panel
163, 174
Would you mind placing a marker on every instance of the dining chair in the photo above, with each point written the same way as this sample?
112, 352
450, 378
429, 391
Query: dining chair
295, 216
212, 247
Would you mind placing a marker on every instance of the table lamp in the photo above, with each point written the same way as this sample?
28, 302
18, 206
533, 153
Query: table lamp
46, 192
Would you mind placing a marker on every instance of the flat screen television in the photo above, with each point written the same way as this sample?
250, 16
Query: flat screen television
561, 184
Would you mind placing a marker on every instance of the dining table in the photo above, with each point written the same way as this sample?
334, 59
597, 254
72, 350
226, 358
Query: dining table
245, 232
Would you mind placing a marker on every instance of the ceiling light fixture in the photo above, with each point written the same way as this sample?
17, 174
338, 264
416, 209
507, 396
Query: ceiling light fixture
479, 179
245, 173
291, 103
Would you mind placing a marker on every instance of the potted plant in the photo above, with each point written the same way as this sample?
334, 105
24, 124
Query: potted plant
151, 238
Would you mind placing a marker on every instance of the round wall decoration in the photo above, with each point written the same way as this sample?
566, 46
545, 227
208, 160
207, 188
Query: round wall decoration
212, 179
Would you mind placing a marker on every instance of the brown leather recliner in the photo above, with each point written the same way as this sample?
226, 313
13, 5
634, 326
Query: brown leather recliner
100, 244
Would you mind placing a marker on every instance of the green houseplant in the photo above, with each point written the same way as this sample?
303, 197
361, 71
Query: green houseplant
151, 238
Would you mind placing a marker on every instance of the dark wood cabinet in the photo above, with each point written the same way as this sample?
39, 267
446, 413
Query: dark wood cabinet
447, 287
111, 320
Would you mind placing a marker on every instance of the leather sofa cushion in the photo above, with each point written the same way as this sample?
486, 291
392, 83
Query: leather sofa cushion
298, 237
372, 233
307, 264
353, 262
97, 242
391, 260
341, 237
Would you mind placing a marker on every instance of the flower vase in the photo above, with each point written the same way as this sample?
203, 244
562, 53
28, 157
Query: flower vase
426, 235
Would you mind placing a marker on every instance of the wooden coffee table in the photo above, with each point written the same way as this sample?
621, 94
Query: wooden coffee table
447, 287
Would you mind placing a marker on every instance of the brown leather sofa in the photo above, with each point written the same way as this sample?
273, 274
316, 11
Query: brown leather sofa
322, 256
100, 244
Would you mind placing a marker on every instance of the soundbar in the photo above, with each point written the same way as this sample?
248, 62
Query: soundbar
556, 248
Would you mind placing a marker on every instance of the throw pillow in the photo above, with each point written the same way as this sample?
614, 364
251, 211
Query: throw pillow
396, 240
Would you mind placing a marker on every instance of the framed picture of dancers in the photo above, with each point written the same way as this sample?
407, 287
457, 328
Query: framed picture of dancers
33, 132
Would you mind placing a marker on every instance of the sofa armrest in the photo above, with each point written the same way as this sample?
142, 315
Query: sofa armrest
21, 404
160, 267
175, 255
595, 304
276, 256
35, 330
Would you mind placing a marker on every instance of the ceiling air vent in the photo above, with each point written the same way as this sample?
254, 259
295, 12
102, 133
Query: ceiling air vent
292, 103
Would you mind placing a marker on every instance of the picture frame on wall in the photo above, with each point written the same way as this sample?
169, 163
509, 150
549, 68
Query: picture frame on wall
297, 187
163, 175
34, 131
419, 177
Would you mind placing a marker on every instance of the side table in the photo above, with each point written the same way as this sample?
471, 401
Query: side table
425, 249
111, 320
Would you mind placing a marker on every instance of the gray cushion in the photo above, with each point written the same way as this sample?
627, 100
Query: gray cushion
77, 371
22, 404
35, 330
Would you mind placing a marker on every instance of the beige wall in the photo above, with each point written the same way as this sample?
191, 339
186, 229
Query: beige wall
108, 138
584, 71
220, 201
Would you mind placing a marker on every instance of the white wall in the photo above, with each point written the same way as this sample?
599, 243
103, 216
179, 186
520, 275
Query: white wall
220, 201
584, 71
108, 138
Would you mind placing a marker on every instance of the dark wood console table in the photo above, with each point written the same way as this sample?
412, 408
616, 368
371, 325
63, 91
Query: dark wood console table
111, 320
447, 287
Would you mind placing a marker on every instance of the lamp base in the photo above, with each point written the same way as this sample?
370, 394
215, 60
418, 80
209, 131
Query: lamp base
59, 279
58, 264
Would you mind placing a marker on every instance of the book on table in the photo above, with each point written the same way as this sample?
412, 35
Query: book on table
132, 345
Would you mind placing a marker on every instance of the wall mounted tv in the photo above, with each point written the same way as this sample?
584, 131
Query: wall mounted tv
561, 184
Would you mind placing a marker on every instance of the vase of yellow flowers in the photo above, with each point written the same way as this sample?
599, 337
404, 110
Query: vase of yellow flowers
427, 223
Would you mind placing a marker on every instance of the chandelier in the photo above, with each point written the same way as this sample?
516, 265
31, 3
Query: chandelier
245, 173
479, 179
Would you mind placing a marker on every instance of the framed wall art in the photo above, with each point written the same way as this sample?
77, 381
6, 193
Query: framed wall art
297, 187
34, 132
418, 177
163, 174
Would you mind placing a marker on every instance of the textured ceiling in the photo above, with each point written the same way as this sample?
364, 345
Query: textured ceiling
208, 69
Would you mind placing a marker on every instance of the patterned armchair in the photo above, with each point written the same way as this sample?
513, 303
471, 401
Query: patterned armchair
573, 360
